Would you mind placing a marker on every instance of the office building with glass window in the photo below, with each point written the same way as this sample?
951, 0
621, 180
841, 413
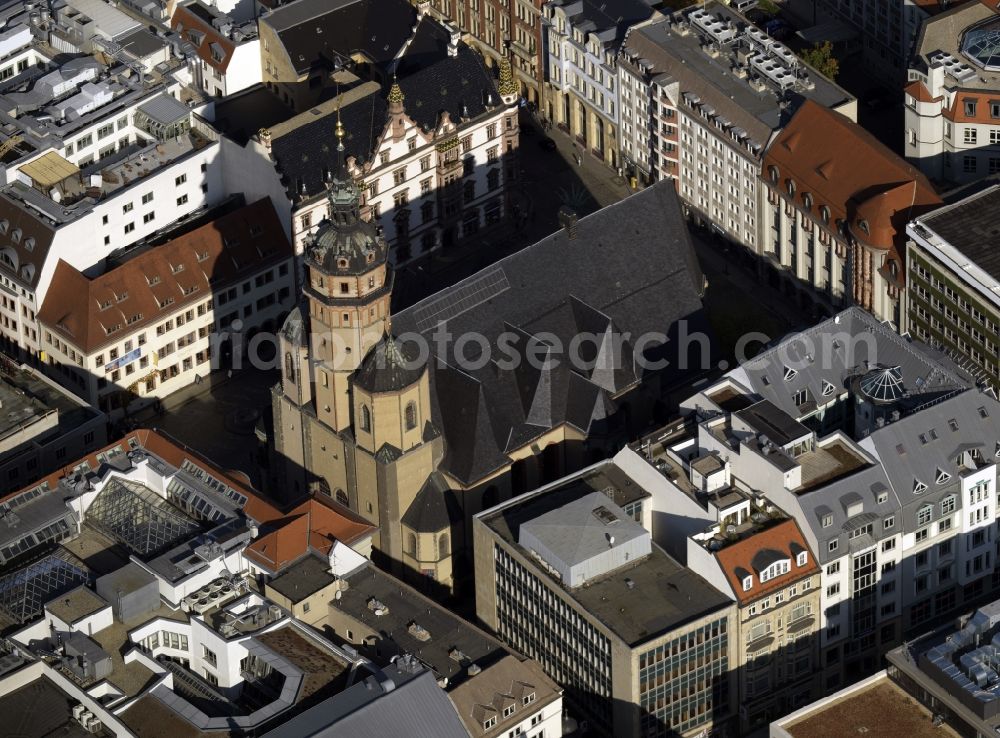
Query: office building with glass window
953, 283
640, 644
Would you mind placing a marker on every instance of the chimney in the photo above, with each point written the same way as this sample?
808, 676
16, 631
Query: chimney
455, 35
567, 219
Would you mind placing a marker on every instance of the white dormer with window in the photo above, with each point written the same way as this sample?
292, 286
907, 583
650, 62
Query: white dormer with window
747, 583
802, 558
942, 476
776, 569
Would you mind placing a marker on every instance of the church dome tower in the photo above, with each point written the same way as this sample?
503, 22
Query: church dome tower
348, 287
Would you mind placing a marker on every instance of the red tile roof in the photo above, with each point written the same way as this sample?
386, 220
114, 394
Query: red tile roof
183, 271
314, 525
840, 165
919, 92
184, 21
781, 540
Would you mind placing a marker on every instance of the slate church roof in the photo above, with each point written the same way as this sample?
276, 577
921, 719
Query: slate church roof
630, 269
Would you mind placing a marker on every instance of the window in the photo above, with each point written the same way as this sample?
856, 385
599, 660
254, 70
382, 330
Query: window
968, 163
528, 698
969, 105
833, 545
924, 515
149, 217
921, 535
147, 198
508, 711
889, 544
411, 415
827, 520
489, 722
129, 227
948, 505
399, 176
180, 179
833, 568
366, 419
833, 590
209, 656
802, 558
182, 200
888, 522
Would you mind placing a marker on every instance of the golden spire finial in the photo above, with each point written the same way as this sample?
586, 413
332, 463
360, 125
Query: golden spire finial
507, 84
395, 92
339, 132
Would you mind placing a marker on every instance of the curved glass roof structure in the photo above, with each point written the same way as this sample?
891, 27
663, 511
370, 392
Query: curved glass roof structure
982, 45
884, 384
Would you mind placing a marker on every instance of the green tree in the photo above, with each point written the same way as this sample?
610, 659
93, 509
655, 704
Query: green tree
821, 58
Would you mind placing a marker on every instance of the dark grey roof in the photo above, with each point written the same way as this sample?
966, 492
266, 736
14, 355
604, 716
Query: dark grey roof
40, 709
317, 31
392, 365
303, 579
434, 507
414, 706
450, 634
629, 269
972, 226
779, 427
840, 350
922, 446
431, 81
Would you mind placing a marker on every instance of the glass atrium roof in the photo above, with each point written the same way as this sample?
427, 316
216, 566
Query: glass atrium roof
25, 591
137, 517
982, 45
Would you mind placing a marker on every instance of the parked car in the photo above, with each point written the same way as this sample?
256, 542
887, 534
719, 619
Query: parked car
547, 143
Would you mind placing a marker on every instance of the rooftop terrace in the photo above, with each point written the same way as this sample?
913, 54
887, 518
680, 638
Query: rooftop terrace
80, 191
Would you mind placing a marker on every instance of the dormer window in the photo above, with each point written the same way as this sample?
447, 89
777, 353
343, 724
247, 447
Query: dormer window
828, 389
863, 225
919, 487
807, 200
790, 374
747, 583
775, 570
772, 172
528, 698
802, 558
508, 711
790, 186
942, 476
489, 722
342, 263
824, 214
